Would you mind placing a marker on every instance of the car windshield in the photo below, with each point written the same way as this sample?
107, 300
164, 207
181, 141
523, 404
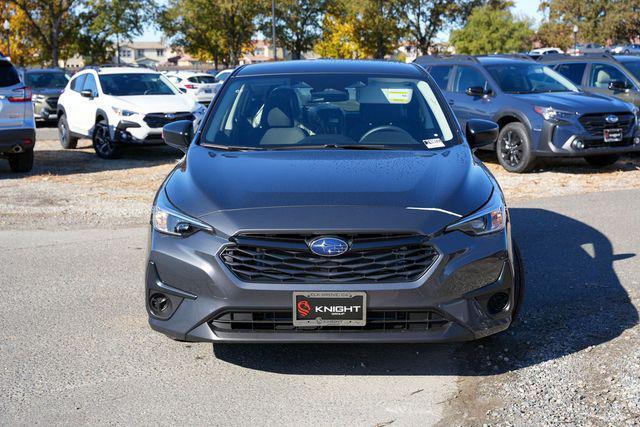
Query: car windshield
47, 80
222, 76
634, 67
328, 111
202, 79
135, 84
529, 78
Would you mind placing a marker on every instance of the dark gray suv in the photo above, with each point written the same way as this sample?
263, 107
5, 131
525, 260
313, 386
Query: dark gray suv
331, 201
540, 112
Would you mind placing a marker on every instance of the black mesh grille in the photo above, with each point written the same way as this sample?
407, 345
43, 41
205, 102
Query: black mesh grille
157, 120
370, 259
282, 322
595, 124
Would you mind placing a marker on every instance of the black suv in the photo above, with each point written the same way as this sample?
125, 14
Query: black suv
540, 112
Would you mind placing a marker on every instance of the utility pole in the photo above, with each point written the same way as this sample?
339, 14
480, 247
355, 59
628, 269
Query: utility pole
273, 29
575, 38
7, 28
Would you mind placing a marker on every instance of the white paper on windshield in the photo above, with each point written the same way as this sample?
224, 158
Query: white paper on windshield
433, 143
398, 95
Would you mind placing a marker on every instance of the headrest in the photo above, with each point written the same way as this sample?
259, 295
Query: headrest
281, 107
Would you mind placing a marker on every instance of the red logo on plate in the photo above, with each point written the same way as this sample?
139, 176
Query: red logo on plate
304, 308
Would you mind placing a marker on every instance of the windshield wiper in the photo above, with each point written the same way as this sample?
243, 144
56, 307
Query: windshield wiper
231, 147
334, 146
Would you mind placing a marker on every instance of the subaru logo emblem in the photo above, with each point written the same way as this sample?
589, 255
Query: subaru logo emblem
611, 118
170, 116
328, 246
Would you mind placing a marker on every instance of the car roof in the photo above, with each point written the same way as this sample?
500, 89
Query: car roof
483, 60
44, 70
627, 58
331, 66
122, 70
600, 57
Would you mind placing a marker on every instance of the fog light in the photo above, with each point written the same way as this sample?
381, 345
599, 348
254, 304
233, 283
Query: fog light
636, 140
159, 304
578, 144
497, 302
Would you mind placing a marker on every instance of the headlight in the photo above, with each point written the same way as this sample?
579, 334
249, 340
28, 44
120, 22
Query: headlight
122, 112
166, 219
553, 115
491, 218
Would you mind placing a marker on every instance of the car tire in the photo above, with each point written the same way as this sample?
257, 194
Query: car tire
21, 162
518, 282
104, 146
602, 161
513, 149
66, 140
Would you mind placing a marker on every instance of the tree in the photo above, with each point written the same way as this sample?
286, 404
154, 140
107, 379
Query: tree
556, 34
338, 39
298, 24
492, 30
53, 24
377, 27
24, 49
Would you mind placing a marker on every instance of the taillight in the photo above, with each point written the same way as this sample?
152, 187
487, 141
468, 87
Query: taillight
22, 94
191, 86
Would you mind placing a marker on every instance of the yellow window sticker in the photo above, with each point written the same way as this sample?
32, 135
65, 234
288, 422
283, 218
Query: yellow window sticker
398, 95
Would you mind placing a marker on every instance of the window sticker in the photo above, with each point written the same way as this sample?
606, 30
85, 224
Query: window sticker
433, 143
398, 95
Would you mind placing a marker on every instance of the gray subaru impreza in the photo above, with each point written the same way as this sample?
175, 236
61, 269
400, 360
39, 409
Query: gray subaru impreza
331, 201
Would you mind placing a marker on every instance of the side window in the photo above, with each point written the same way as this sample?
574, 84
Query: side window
467, 77
603, 74
90, 84
573, 71
77, 82
441, 74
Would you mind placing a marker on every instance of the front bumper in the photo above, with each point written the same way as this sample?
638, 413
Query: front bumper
554, 140
456, 287
24, 138
139, 133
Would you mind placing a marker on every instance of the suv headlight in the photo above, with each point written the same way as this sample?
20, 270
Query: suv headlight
553, 115
166, 219
491, 218
122, 112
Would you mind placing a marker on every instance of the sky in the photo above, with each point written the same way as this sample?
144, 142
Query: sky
522, 7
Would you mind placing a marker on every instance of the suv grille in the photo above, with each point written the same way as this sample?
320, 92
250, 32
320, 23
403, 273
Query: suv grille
595, 124
52, 103
157, 120
370, 259
282, 321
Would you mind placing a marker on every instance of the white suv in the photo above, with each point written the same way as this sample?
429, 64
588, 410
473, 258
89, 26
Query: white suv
200, 85
17, 125
119, 106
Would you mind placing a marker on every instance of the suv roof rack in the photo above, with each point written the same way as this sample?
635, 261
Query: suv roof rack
509, 55
435, 58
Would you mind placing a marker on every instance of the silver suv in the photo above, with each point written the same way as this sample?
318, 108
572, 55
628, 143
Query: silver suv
17, 125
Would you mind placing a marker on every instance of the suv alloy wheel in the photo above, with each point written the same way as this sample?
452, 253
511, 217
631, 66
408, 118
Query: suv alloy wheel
513, 149
105, 147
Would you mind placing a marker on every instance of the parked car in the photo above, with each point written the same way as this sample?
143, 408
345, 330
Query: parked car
220, 78
331, 201
119, 106
540, 112
581, 49
626, 49
201, 85
617, 76
546, 51
46, 86
17, 125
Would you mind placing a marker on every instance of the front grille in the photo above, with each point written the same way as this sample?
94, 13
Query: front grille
281, 321
52, 102
595, 124
370, 259
157, 120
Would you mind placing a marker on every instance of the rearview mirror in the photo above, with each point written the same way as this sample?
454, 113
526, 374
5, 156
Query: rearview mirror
481, 132
178, 134
475, 91
618, 85
87, 93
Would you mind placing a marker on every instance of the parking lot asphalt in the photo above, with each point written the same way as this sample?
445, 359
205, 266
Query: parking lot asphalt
75, 347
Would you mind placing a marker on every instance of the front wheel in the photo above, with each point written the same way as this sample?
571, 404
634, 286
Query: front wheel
21, 162
66, 140
513, 149
105, 147
602, 161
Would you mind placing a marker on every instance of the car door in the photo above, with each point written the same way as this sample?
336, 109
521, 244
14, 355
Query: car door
86, 106
574, 71
602, 75
73, 103
467, 106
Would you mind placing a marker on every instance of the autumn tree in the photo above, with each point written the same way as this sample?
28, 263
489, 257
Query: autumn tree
338, 40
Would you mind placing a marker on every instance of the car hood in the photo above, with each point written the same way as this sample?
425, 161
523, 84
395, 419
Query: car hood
156, 103
579, 102
324, 190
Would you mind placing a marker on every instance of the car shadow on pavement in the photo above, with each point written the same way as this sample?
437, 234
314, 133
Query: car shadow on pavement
574, 300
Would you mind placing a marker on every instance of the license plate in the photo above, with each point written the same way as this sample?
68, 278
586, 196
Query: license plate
329, 308
612, 135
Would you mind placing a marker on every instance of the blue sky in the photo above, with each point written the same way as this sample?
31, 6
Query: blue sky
526, 7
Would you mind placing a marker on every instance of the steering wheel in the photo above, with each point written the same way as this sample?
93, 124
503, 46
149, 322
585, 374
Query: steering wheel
381, 129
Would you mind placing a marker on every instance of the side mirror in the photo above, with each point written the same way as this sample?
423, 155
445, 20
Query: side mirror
183, 90
86, 93
475, 91
481, 132
618, 85
178, 134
